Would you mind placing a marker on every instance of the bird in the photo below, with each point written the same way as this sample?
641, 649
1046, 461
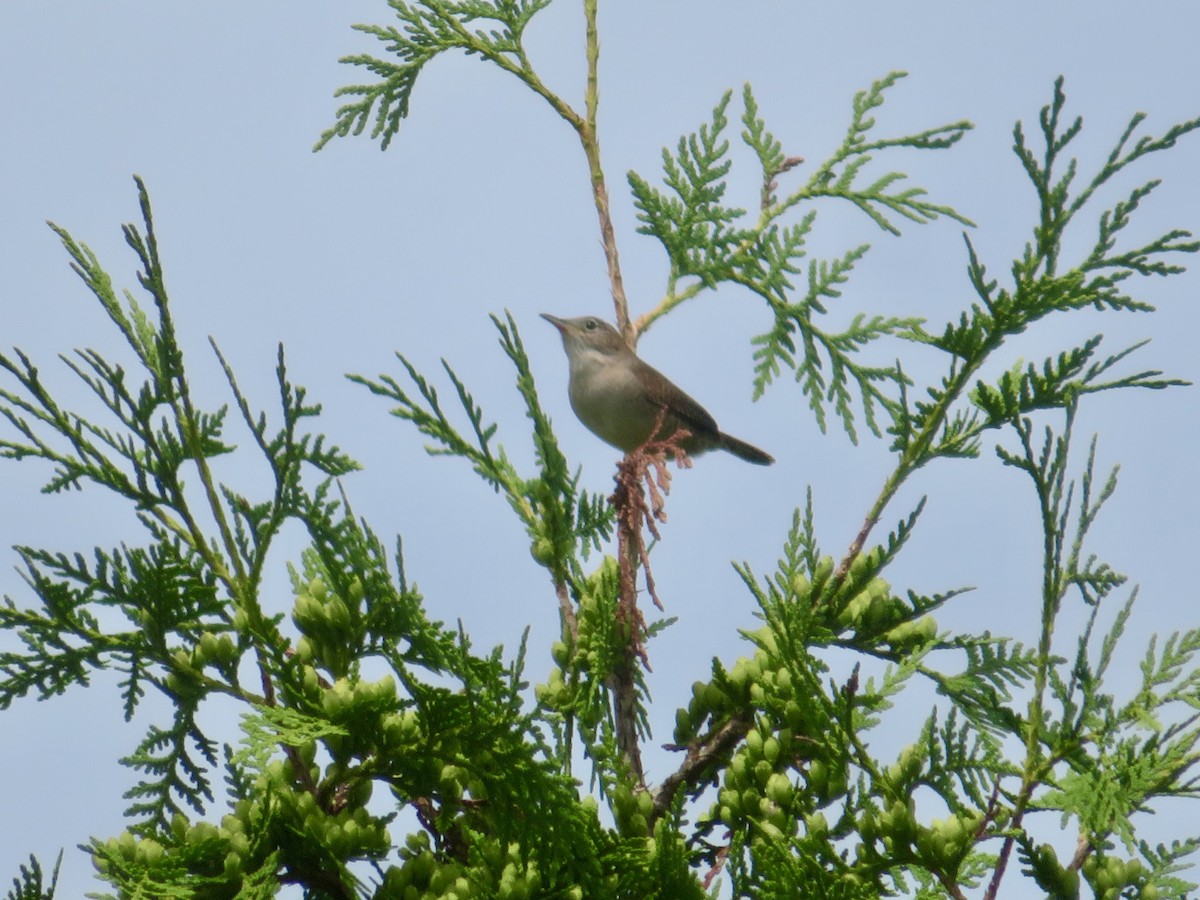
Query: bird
619, 398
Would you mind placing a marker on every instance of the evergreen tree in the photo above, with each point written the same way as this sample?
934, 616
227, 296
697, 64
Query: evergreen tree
450, 775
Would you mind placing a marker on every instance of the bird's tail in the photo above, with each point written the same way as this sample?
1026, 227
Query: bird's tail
748, 452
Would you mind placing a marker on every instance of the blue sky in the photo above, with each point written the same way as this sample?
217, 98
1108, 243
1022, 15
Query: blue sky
482, 205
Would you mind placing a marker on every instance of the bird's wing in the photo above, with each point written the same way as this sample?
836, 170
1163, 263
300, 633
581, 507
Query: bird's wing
690, 413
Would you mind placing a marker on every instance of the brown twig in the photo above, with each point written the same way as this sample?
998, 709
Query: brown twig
451, 840
1002, 859
624, 688
588, 137
950, 886
566, 611
624, 677
989, 815
855, 548
717, 866
643, 472
770, 184
1083, 849
701, 757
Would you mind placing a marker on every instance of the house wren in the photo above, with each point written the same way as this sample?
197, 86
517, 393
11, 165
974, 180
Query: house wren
619, 398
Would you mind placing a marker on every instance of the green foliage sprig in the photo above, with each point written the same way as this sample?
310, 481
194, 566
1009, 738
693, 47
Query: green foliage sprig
1097, 766
563, 522
427, 30
192, 623
29, 884
943, 425
708, 245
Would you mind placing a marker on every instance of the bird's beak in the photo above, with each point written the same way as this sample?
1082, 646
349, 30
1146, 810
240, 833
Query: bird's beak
558, 323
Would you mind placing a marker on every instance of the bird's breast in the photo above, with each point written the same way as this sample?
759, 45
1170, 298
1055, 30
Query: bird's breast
611, 403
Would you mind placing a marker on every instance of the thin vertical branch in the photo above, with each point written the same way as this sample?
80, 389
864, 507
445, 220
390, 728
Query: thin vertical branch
624, 680
642, 479
591, 148
585, 126
630, 502
566, 609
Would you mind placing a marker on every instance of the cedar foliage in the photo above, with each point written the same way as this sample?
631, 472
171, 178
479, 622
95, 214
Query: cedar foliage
777, 790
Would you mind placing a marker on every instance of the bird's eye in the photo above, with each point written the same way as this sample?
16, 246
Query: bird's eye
590, 324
